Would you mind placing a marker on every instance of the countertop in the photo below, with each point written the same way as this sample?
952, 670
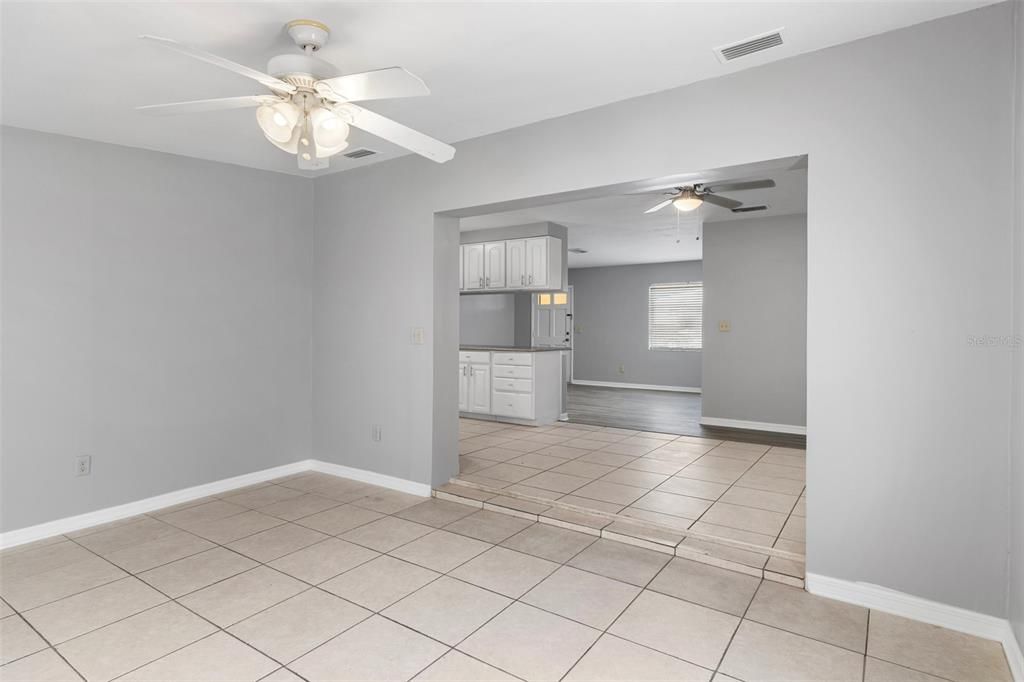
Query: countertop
512, 349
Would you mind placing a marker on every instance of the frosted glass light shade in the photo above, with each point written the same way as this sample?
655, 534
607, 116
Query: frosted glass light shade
277, 121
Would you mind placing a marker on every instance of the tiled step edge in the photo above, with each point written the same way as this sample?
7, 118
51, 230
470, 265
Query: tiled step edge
762, 562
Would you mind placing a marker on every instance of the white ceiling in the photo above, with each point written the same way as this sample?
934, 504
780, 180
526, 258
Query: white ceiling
77, 68
614, 230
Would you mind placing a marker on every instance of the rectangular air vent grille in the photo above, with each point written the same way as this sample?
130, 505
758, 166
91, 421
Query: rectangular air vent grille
359, 153
758, 43
748, 209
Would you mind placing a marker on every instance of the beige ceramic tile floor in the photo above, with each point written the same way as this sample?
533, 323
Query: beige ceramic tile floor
742, 491
318, 578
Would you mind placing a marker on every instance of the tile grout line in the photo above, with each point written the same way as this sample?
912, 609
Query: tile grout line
49, 646
766, 552
435, 528
175, 600
710, 451
643, 589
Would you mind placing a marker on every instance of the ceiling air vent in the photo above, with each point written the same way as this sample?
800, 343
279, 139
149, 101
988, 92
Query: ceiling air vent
359, 153
577, 250
758, 43
749, 209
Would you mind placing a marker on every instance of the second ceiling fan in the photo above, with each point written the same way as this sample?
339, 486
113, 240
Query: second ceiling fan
690, 197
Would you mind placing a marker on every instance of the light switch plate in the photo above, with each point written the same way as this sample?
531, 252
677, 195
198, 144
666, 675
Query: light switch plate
417, 336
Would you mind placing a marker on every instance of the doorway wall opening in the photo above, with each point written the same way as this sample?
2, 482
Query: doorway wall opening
640, 372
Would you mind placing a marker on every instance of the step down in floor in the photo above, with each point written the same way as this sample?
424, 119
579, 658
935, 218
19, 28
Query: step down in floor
762, 562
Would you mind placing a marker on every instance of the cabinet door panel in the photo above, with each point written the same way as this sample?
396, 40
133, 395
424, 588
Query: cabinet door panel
463, 387
494, 265
473, 255
480, 388
515, 259
537, 262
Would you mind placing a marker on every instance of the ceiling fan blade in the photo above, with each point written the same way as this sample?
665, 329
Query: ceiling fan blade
275, 84
202, 105
739, 186
380, 84
658, 207
395, 132
724, 202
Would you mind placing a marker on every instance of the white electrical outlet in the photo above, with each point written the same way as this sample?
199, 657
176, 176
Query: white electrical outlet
376, 433
83, 465
724, 326
622, 369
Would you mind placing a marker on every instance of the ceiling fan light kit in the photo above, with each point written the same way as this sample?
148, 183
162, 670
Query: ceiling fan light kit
692, 197
687, 200
310, 112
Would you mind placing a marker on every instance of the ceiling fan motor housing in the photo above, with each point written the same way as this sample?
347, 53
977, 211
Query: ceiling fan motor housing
301, 70
308, 34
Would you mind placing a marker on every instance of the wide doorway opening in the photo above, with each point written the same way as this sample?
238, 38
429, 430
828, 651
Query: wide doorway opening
632, 363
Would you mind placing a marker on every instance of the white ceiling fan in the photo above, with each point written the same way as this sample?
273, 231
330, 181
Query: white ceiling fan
309, 109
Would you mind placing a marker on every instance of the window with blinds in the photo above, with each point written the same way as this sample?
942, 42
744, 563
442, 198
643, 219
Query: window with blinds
675, 316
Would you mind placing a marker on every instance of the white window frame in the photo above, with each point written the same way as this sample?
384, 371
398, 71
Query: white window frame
691, 338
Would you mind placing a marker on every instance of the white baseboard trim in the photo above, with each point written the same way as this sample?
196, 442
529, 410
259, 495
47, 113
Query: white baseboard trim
924, 610
21, 536
644, 387
754, 426
373, 478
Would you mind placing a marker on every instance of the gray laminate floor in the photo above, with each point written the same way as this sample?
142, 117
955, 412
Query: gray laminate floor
662, 411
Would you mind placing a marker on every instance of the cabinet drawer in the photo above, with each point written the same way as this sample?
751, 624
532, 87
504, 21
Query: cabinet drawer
513, 371
513, 385
525, 359
476, 356
512, 405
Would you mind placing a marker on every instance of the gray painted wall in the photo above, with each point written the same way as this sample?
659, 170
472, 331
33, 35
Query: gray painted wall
487, 319
445, 464
1016, 589
882, 351
610, 316
175, 380
156, 315
755, 277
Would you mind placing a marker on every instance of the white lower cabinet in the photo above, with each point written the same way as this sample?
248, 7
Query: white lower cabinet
463, 387
479, 388
475, 382
513, 396
520, 386
518, 405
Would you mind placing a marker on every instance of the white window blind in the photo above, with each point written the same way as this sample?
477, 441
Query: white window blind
675, 316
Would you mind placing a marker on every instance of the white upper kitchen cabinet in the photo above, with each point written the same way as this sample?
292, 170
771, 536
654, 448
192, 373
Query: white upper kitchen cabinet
494, 265
473, 266
544, 263
537, 262
531, 263
515, 258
